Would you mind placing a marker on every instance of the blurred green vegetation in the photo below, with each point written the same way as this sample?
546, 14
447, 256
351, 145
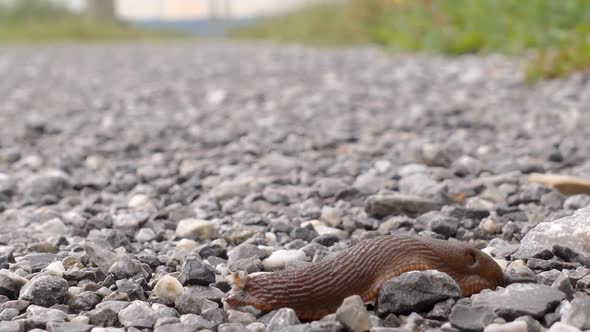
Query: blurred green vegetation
558, 31
35, 21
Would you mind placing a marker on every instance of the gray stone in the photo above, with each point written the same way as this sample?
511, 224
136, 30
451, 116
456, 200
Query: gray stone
52, 183
39, 260
576, 202
137, 314
232, 327
416, 291
562, 282
471, 319
44, 291
571, 231
8, 314
99, 256
192, 301
68, 327
397, 204
84, 301
13, 326
326, 326
9, 285
283, 318
102, 316
578, 313
520, 299
41, 316
125, 267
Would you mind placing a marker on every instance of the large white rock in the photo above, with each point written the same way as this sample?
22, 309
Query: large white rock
280, 258
571, 231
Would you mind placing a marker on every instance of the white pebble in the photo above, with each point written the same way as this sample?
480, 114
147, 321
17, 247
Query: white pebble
168, 288
331, 216
145, 235
73, 291
80, 320
515, 326
139, 201
197, 229
280, 258
562, 327
186, 244
56, 269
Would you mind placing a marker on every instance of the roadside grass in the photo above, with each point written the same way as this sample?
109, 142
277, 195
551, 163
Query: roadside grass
558, 32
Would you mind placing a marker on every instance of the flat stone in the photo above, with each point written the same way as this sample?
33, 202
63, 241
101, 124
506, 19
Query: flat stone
519, 300
416, 291
471, 319
567, 185
562, 327
380, 206
516, 326
68, 327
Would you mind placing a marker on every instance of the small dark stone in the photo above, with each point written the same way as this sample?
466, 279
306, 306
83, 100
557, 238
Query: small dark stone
546, 265
392, 320
441, 310
570, 255
208, 250
327, 240
195, 272
125, 267
102, 317
9, 286
84, 301
562, 282
461, 212
471, 319
132, 289
415, 291
304, 233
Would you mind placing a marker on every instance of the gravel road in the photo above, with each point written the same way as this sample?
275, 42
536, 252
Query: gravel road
135, 178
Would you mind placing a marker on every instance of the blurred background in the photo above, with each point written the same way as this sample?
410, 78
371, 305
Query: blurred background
553, 36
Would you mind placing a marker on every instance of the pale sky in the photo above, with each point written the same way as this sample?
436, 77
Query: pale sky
183, 9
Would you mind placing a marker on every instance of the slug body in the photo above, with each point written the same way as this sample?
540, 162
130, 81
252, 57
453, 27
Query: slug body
318, 289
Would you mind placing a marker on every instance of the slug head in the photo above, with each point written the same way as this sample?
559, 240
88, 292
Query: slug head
471, 268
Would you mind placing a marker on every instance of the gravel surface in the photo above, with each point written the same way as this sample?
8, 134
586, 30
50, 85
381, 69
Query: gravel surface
135, 178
